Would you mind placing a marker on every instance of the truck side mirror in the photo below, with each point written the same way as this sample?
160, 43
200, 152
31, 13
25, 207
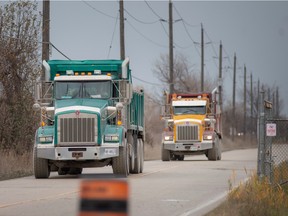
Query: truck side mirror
36, 107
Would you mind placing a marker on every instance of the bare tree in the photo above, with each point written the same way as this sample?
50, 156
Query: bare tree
185, 78
153, 124
19, 67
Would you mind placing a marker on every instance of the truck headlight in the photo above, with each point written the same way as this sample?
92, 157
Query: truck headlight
111, 138
46, 139
207, 136
168, 138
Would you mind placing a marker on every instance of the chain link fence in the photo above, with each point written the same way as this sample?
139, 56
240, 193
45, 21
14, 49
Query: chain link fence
272, 145
279, 152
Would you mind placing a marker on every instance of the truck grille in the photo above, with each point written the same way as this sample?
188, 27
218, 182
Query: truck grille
187, 133
75, 130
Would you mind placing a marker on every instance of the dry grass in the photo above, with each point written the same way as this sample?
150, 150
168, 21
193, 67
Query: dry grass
152, 152
14, 165
254, 198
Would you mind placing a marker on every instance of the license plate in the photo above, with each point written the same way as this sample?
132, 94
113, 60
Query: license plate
77, 154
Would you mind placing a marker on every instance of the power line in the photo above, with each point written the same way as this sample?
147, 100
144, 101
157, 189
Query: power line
35, 41
228, 57
176, 45
211, 42
150, 83
148, 39
153, 10
138, 20
107, 15
186, 30
59, 50
184, 19
195, 25
113, 36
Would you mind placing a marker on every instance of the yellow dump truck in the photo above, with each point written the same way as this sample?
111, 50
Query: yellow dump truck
192, 126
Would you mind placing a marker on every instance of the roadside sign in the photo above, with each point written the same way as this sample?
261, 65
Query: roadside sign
271, 129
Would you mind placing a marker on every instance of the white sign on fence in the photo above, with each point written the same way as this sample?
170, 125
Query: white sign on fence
270, 129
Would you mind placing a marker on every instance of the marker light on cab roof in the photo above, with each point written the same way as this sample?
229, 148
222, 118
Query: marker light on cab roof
97, 72
69, 72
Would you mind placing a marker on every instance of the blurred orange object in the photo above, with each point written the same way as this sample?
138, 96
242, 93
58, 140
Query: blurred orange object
104, 197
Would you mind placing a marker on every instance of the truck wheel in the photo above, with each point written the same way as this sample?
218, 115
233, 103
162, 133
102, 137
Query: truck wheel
137, 157
181, 157
120, 164
40, 166
166, 155
219, 150
131, 152
213, 153
141, 155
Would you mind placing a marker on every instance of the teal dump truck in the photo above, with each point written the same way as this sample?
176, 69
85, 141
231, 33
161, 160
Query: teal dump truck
90, 117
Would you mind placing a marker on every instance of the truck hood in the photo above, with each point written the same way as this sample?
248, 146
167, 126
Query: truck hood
91, 105
182, 119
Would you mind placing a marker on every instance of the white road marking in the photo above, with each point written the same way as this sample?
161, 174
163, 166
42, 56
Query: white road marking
210, 202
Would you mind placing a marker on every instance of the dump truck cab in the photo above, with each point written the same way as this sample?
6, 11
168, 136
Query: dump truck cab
192, 127
93, 118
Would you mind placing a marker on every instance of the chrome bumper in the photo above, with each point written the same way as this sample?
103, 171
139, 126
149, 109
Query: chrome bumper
190, 147
77, 153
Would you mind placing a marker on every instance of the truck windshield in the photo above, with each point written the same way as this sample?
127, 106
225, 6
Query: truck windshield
180, 110
95, 89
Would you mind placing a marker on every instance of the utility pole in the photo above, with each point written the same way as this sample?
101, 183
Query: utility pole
220, 82
251, 101
258, 97
277, 103
244, 121
122, 38
202, 58
45, 34
45, 43
171, 56
273, 102
233, 99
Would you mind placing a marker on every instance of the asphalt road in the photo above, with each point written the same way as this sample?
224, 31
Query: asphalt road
190, 187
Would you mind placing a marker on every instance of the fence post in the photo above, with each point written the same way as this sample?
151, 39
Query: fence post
268, 143
261, 138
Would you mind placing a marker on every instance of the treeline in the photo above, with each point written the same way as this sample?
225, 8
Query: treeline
19, 66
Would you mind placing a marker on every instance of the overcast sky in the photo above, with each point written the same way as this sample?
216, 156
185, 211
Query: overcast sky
256, 31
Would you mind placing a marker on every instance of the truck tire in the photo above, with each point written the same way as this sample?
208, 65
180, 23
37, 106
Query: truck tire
120, 164
40, 166
131, 153
137, 156
213, 154
219, 150
166, 155
141, 155
181, 157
